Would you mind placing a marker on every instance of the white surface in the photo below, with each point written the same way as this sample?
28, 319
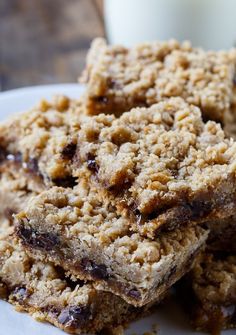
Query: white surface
169, 318
21, 99
207, 23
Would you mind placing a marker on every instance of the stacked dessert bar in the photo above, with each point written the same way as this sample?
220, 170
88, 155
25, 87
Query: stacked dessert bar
108, 201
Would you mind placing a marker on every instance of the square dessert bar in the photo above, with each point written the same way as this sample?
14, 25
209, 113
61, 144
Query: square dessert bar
45, 292
161, 166
211, 293
41, 142
119, 78
86, 236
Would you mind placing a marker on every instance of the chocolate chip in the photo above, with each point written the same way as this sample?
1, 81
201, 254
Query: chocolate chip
174, 173
114, 84
20, 294
68, 151
101, 100
3, 154
234, 79
74, 317
69, 181
97, 271
134, 293
91, 163
138, 215
32, 165
46, 241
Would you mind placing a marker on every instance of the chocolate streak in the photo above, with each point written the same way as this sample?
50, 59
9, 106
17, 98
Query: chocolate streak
50, 245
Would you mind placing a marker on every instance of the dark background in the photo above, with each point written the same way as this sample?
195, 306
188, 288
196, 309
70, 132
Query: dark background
46, 41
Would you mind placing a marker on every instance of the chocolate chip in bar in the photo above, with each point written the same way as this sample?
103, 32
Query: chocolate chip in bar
73, 317
68, 181
91, 163
68, 151
47, 241
97, 271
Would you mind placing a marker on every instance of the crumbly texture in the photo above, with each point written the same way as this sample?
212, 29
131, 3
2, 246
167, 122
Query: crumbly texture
42, 140
213, 285
36, 151
41, 289
119, 78
86, 236
163, 166
45, 292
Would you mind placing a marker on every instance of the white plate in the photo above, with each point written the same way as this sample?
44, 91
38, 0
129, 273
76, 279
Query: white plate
169, 318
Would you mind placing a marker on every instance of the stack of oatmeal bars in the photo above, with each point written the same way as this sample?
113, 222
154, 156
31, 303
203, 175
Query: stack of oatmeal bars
109, 200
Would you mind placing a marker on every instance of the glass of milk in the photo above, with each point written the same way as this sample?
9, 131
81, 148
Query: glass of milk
207, 23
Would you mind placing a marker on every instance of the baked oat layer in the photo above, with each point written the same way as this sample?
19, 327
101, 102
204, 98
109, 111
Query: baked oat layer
42, 141
119, 78
87, 237
16, 187
163, 166
44, 291
213, 285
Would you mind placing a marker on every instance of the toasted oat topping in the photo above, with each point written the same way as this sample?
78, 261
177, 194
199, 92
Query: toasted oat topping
156, 157
43, 139
86, 216
119, 78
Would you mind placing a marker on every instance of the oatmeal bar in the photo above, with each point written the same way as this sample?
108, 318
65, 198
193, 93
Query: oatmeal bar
162, 166
212, 283
119, 78
85, 235
42, 141
45, 292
